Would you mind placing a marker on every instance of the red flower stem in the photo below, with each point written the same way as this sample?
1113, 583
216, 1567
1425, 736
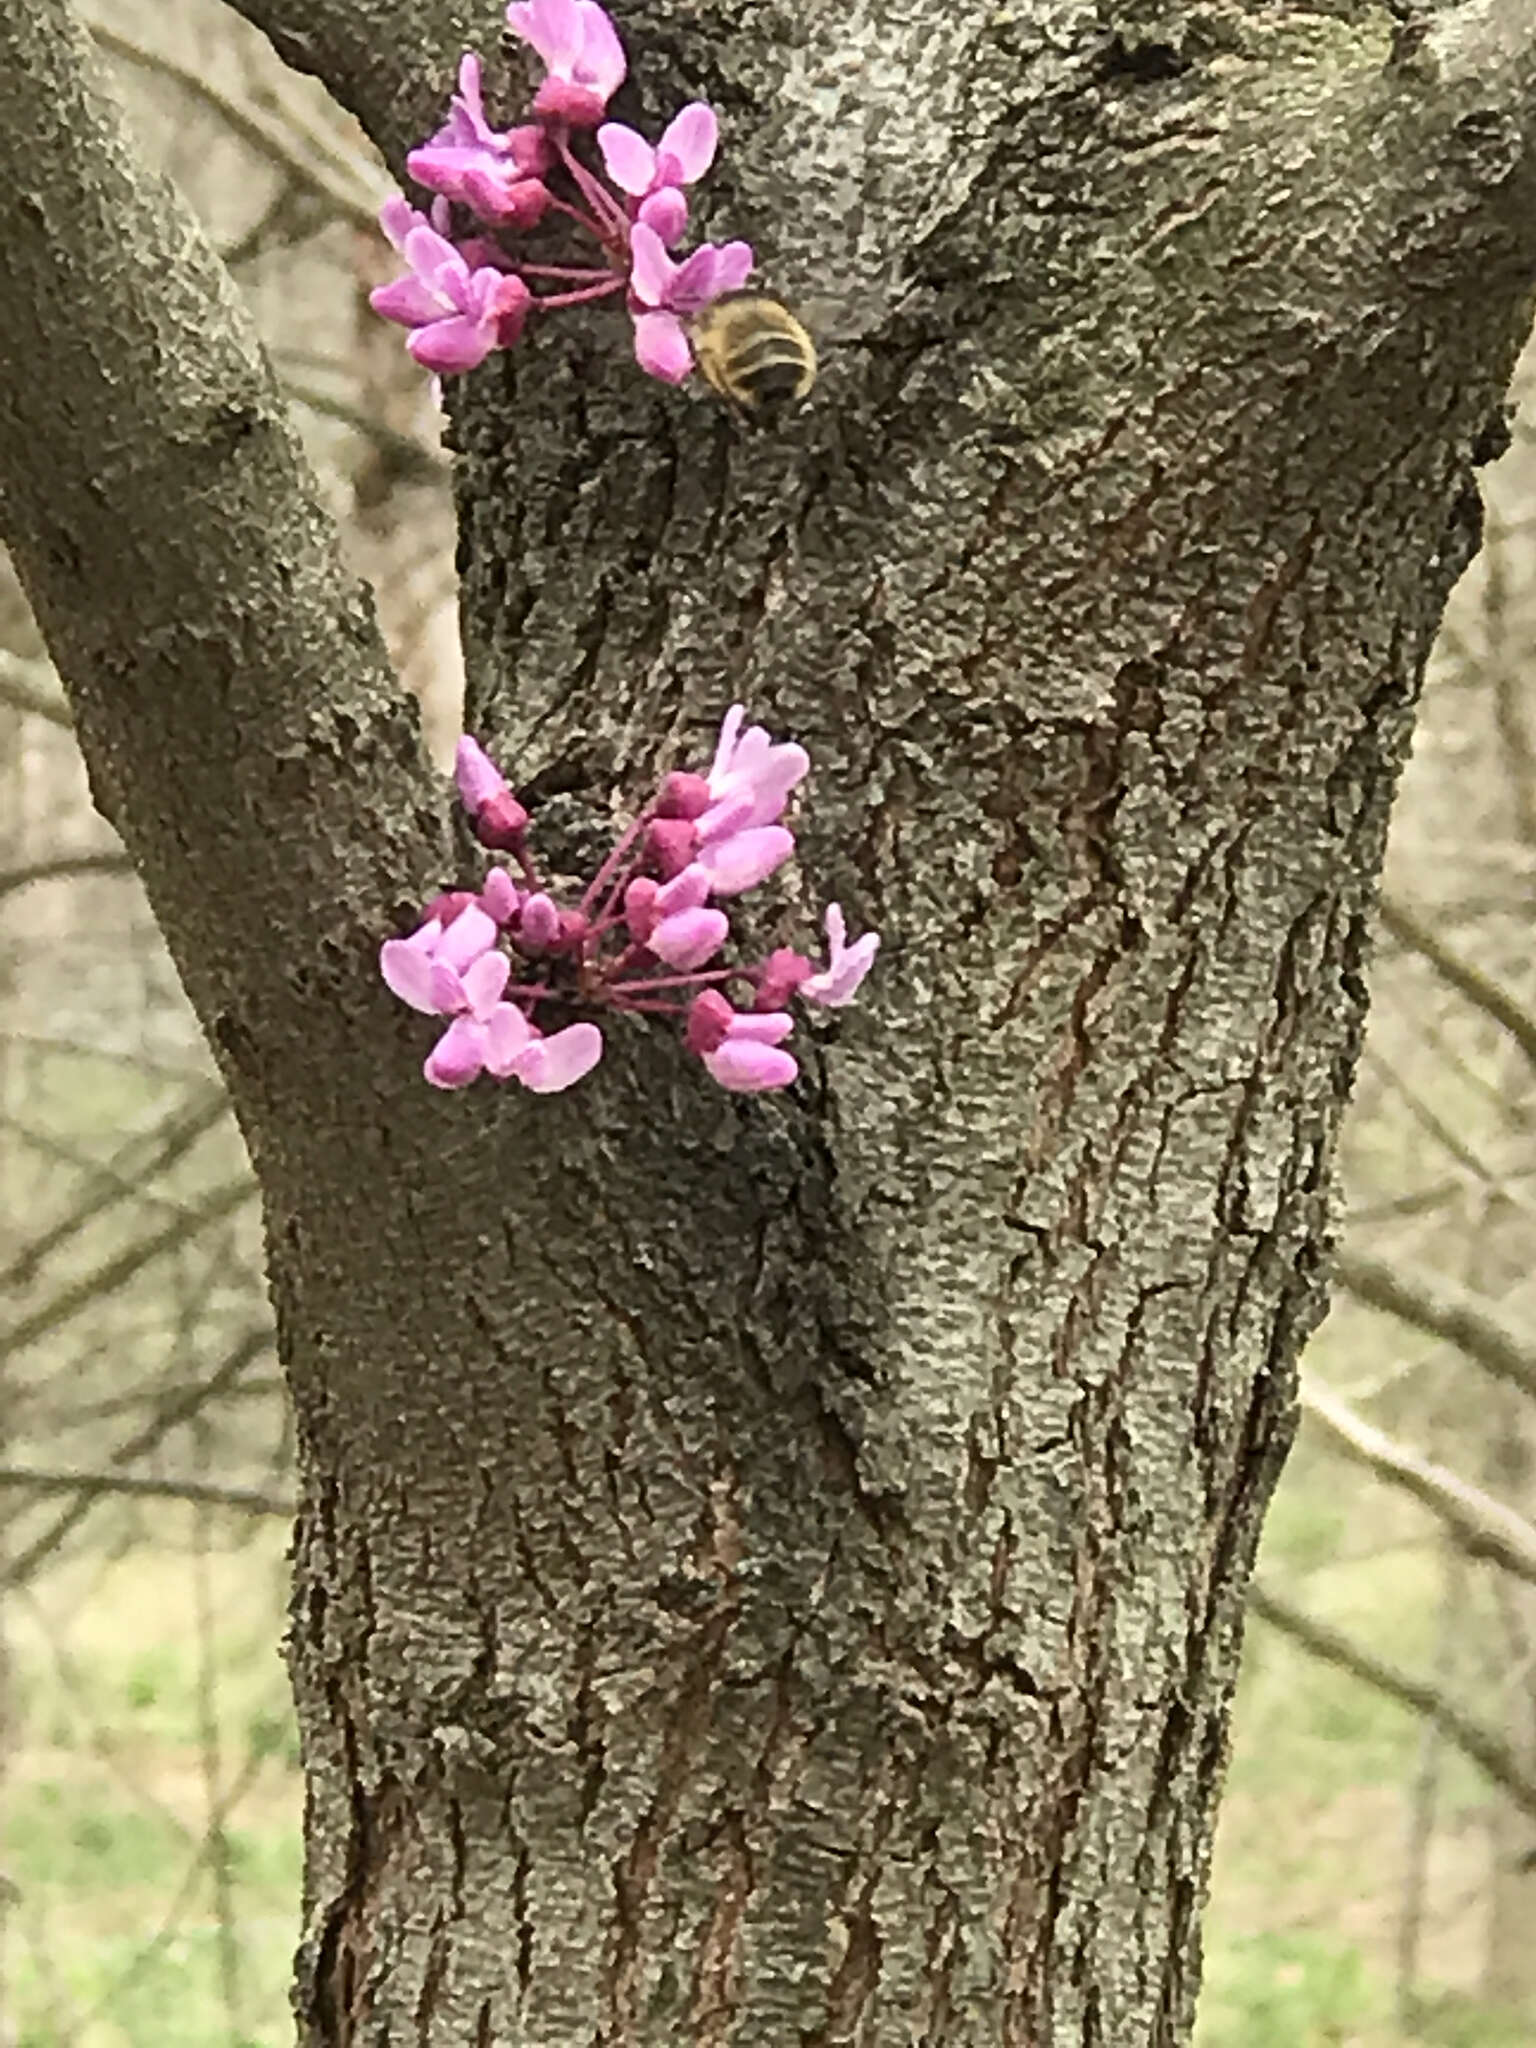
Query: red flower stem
583, 220
561, 270
597, 196
625, 841
597, 291
619, 988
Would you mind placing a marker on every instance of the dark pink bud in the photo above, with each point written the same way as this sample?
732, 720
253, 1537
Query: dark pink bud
640, 912
683, 795
530, 149
538, 929
671, 843
778, 978
574, 925
710, 1018
501, 822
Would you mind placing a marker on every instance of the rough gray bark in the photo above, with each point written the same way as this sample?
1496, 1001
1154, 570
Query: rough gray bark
772, 1572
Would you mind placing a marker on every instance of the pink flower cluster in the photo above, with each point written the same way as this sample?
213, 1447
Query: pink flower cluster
640, 939
472, 288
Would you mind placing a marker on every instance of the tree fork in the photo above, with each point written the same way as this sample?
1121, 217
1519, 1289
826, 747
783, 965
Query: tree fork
773, 1572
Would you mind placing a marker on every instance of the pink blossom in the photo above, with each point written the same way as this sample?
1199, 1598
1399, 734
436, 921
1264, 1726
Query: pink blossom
671, 919
458, 314
750, 777
735, 861
496, 174
652, 177
741, 1052
409, 965
519, 1051
582, 54
838, 982
664, 294
500, 820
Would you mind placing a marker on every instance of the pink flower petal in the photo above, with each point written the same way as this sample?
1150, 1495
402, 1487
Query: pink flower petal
507, 1033
471, 934
689, 938
764, 1027
406, 965
665, 211
745, 858
725, 746
476, 774
602, 63
628, 158
407, 300
484, 980
686, 891
458, 1056
733, 266
690, 139
651, 269
397, 217
550, 1064
661, 347
747, 1068
552, 27
450, 346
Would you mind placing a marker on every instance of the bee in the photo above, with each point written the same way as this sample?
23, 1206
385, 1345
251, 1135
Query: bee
755, 353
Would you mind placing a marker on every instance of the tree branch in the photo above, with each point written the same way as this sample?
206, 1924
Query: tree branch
1480, 1525
1492, 1756
221, 662
94, 1484
22, 686
354, 197
1480, 989
170, 1415
61, 866
1441, 1310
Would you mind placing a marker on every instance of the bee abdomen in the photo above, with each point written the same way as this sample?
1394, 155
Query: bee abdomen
771, 370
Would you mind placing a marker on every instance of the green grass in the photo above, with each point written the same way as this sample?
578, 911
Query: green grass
116, 1942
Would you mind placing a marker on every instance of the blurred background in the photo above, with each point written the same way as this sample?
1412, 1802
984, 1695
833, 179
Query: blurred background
1375, 1876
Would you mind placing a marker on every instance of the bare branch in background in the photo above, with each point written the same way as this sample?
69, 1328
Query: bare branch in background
31, 686
32, 1480
124, 1177
407, 459
1480, 989
61, 867
1493, 1756
1479, 1524
355, 198
171, 1414
106, 1279
1442, 1310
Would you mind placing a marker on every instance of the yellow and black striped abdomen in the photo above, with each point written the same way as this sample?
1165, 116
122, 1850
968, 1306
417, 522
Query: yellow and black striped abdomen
754, 352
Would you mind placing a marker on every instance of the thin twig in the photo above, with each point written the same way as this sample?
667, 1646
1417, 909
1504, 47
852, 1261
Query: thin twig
127, 1175
1479, 1524
24, 688
60, 867
247, 1500
263, 135
171, 1414
1493, 1756
1442, 1310
1480, 989
117, 1272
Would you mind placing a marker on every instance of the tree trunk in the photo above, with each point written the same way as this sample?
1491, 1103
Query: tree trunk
772, 1571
